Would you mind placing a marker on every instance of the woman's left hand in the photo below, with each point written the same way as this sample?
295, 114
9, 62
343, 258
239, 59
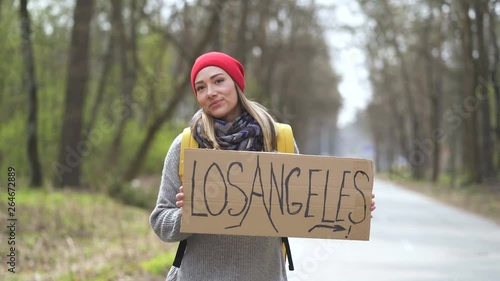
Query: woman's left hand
373, 207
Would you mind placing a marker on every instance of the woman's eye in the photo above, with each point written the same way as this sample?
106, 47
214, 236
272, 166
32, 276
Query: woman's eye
218, 81
199, 88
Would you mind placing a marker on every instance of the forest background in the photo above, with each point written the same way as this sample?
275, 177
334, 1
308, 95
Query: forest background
93, 92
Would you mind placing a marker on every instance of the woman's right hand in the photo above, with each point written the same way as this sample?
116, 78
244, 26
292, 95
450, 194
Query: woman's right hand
180, 199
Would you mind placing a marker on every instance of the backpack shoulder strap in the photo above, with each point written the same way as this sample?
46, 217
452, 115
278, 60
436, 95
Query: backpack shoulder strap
181, 248
285, 245
286, 144
187, 142
285, 141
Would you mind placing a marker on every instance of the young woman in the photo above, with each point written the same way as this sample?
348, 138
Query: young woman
226, 120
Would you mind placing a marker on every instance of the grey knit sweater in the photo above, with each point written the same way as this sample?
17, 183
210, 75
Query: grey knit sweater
212, 257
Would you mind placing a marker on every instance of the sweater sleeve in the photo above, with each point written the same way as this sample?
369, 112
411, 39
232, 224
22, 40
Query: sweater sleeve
165, 219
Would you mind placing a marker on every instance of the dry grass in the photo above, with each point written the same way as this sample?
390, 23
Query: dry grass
66, 235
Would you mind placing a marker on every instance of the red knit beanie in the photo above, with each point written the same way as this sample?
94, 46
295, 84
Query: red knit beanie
226, 62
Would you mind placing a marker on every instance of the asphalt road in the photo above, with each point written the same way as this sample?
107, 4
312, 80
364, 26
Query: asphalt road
413, 237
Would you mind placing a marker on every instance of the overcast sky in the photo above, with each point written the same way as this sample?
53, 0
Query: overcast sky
347, 55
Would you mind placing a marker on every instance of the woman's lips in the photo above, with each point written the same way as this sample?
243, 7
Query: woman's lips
215, 103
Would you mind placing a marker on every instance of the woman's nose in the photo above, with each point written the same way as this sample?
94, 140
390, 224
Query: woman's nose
211, 90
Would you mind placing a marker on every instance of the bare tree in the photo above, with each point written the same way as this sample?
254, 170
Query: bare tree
31, 88
483, 72
166, 114
107, 61
240, 50
494, 70
471, 145
432, 42
127, 59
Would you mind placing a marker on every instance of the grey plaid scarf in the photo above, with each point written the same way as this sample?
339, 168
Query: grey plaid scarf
244, 133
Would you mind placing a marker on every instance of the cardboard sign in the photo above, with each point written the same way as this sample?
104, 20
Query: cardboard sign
276, 194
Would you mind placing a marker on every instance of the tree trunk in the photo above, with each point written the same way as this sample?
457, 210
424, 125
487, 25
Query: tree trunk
103, 77
493, 76
216, 40
400, 138
453, 160
437, 87
417, 158
471, 149
241, 40
486, 151
268, 59
30, 79
128, 78
434, 84
72, 147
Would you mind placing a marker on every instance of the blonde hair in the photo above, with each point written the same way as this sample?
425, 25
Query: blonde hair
255, 109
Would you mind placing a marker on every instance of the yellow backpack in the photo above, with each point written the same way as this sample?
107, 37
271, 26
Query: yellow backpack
285, 144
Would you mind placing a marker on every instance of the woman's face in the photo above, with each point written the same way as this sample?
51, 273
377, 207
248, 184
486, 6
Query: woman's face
216, 93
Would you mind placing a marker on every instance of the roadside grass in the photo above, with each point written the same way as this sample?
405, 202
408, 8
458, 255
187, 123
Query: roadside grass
157, 265
481, 200
66, 235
